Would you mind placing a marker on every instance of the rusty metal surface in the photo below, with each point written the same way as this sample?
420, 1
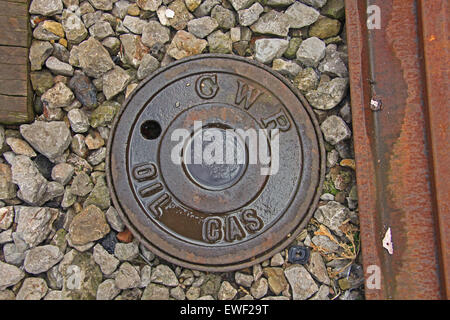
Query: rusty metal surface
434, 17
185, 213
395, 161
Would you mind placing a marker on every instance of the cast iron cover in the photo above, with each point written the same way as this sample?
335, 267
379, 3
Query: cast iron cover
215, 217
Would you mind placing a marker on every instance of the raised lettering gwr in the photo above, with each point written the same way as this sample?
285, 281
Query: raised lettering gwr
247, 94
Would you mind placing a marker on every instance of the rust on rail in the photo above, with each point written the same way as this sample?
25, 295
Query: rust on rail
402, 150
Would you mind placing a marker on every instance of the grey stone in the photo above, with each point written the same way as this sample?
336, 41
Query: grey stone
73, 27
332, 215
90, 18
249, 16
277, 260
335, 130
84, 90
177, 293
181, 15
146, 274
6, 217
241, 4
315, 3
155, 292
14, 254
78, 146
81, 276
40, 259
126, 251
59, 96
311, 51
2, 136
49, 138
60, 52
149, 5
79, 121
54, 277
6, 236
205, 8
7, 295
32, 289
33, 224
302, 284
107, 262
334, 9
287, 68
42, 33
275, 298
220, 42
10, 275
46, 7
104, 114
226, 291
53, 295
332, 64
87, 226
163, 12
20, 147
127, 277
39, 52
268, 49
185, 44
329, 94
99, 196
134, 24
224, 17
259, 288
193, 293
31, 183
243, 279
105, 5
154, 32
112, 44
164, 275
146, 254
325, 243
279, 3
134, 49
59, 67
101, 29
114, 220
317, 268
202, 27
322, 294
276, 279
306, 80
300, 15
81, 184
148, 65
346, 113
7, 187
94, 59
272, 22
115, 81
97, 156
107, 290
192, 4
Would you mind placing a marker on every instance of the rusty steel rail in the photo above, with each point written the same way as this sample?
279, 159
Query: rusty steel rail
402, 157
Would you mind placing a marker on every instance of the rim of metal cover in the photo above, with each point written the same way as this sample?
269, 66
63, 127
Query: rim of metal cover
276, 246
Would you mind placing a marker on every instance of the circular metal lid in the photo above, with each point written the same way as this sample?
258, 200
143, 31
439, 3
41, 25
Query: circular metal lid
215, 162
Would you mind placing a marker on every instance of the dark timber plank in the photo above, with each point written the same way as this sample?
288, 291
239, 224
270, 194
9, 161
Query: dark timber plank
11, 9
15, 87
